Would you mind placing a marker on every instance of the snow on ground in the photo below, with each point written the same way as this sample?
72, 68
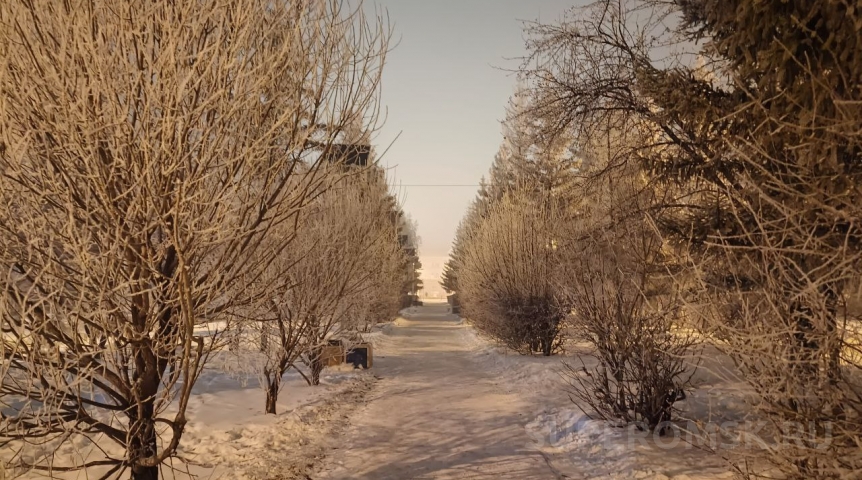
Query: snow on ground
452, 405
229, 437
435, 412
446, 403
579, 447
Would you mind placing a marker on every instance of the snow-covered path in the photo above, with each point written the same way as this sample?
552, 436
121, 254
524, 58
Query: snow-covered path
435, 413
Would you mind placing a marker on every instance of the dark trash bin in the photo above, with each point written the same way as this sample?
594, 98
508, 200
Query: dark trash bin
358, 357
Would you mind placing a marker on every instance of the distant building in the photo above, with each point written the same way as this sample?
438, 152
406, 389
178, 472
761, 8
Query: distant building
347, 154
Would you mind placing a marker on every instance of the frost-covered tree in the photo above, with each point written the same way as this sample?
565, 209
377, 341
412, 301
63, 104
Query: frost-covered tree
618, 280
149, 152
342, 274
463, 233
351, 261
507, 280
409, 238
525, 161
762, 139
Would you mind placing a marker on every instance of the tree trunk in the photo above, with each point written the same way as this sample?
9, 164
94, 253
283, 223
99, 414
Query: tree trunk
264, 341
549, 337
235, 339
145, 473
143, 445
622, 403
271, 397
547, 347
143, 442
316, 366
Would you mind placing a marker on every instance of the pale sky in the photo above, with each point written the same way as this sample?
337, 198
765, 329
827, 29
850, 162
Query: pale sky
446, 94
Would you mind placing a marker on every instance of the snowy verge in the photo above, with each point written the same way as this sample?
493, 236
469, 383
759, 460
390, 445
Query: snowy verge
527, 375
285, 446
228, 436
575, 445
380, 337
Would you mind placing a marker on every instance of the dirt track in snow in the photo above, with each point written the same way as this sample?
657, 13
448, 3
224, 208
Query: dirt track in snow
435, 413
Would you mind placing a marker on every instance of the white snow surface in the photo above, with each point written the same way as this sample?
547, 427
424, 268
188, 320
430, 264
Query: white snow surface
452, 405
440, 402
229, 437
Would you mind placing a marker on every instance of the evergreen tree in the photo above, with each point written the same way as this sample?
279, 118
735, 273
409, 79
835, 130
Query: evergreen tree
524, 162
761, 143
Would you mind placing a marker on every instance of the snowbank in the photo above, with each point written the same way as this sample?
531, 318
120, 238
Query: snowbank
229, 437
579, 447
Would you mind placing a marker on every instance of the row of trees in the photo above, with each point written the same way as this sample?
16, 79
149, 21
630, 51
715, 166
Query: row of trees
345, 272
560, 246
170, 169
506, 256
717, 191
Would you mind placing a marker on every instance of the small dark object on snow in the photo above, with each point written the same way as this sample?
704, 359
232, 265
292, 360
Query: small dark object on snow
358, 357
